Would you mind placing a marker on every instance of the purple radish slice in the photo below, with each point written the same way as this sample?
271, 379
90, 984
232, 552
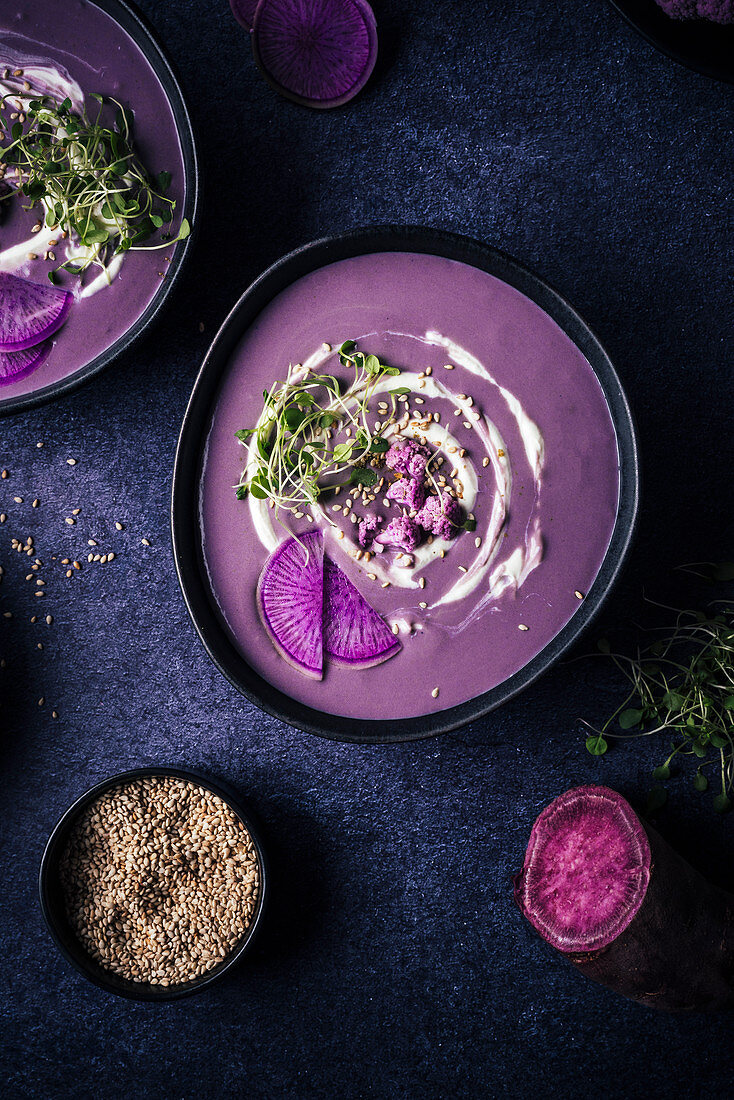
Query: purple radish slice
624, 908
29, 312
15, 365
319, 53
290, 596
354, 634
244, 12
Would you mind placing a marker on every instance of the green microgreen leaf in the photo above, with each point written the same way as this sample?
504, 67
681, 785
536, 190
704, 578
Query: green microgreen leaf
363, 475
596, 745
630, 717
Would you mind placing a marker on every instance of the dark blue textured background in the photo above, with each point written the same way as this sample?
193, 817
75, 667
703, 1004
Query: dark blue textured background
393, 962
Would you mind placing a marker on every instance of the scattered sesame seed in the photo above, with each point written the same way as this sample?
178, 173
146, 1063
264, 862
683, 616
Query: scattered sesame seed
68, 572
462, 569
103, 560
54, 714
4, 474
90, 557
75, 511
485, 461
434, 693
422, 582
385, 584
466, 424
110, 557
39, 593
39, 444
521, 626
118, 526
448, 366
395, 628
18, 500
578, 595
423, 604
70, 521
76, 564
477, 542
7, 614
39, 645
145, 542
372, 576
41, 701
49, 619
3, 517
71, 462
340, 534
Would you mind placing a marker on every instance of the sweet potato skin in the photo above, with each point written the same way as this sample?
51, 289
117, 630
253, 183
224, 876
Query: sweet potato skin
677, 954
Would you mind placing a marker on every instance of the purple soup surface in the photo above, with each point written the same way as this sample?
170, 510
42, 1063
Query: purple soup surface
525, 351
102, 58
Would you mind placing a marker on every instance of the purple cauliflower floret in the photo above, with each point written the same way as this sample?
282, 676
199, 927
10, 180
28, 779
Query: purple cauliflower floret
410, 492
402, 533
718, 11
408, 457
368, 528
441, 516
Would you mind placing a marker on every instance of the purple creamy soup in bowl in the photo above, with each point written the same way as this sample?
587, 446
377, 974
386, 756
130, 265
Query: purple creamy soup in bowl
91, 76
406, 480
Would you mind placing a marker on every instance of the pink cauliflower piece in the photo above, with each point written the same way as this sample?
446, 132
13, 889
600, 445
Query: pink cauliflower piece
718, 11
402, 533
410, 492
408, 457
368, 528
441, 516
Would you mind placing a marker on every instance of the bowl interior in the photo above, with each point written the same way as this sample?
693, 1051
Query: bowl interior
186, 530
54, 910
137, 27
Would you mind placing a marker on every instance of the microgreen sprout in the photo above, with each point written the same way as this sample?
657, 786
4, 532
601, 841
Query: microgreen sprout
292, 450
682, 684
88, 178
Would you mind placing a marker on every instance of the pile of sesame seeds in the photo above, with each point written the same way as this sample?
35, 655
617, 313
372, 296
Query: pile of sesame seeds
161, 880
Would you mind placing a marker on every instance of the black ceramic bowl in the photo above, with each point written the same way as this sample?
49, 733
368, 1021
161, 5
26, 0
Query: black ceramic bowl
137, 27
187, 538
52, 902
699, 44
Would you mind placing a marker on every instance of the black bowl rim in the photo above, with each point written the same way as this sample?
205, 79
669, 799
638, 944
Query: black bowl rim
132, 20
81, 961
703, 46
187, 549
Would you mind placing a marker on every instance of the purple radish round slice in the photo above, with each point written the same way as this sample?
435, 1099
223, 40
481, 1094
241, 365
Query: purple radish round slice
29, 312
319, 53
611, 895
354, 634
244, 12
15, 365
290, 597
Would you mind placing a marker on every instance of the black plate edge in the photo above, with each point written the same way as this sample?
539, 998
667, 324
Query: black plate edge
137, 26
682, 40
186, 545
96, 974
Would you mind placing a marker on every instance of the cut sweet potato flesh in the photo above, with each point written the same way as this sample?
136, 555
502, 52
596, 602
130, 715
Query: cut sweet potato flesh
586, 870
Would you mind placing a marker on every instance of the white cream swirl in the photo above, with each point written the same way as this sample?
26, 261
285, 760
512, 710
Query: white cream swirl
489, 574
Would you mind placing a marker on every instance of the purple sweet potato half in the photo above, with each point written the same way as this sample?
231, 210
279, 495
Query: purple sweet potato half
610, 894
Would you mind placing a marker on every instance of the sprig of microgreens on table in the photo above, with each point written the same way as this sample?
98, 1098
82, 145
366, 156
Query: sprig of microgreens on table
682, 683
293, 450
88, 178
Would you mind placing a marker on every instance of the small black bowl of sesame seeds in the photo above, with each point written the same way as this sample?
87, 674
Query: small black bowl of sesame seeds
153, 883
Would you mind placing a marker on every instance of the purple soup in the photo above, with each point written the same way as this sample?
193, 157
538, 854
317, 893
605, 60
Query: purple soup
88, 50
526, 444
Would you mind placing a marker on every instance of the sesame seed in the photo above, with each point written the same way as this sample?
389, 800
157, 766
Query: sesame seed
75, 511
4, 474
18, 500
70, 521
340, 534
578, 595
372, 576
385, 584
422, 582
39, 593
54, 714
477, 542
71, 462
76, 564
49, 619
110, 557
462, 569
41, 701
434, 693
91, 542
448, 366
485, 461
118, 526
145, 542
395, 628
423, 604
35, 503
466, 424
521, 626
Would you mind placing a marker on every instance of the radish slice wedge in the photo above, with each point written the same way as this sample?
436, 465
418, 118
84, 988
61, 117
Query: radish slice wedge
586, 870
319, 53
290, 596
29, 313
15, 365
354, 634
244, 12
